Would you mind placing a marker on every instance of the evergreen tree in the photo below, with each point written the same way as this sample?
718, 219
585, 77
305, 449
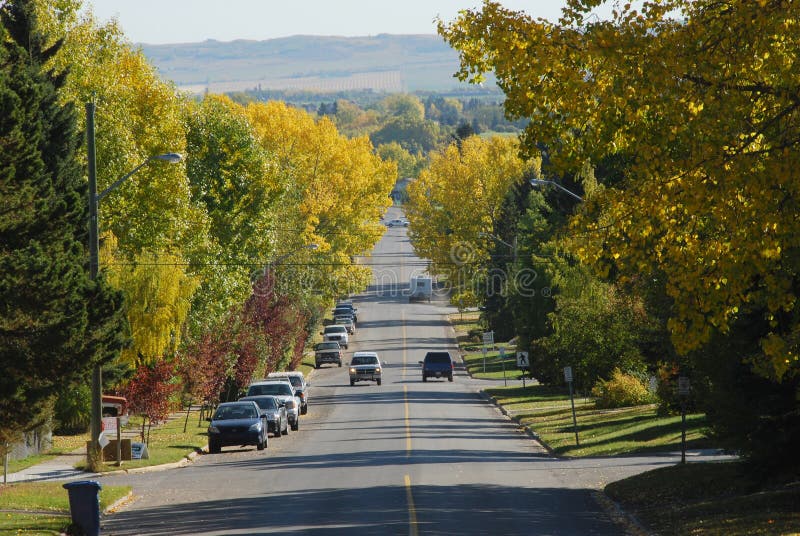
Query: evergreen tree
54, 320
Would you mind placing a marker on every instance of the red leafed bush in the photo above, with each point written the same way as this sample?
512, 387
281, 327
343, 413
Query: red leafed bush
204, 365
149, 391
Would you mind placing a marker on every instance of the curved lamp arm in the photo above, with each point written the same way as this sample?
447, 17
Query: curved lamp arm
540, 182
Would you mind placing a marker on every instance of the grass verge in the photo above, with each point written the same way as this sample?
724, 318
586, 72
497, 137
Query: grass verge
547, 412
710, 499
44, 497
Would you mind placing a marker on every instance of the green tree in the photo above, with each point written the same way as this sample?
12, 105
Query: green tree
54, 320
408, 165
416, 136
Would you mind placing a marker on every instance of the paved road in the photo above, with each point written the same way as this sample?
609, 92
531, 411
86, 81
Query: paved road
403, 458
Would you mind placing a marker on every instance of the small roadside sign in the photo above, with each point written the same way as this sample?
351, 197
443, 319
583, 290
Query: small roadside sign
109, 424
488, 338
522, 360
139, 451
568, 374
684, 386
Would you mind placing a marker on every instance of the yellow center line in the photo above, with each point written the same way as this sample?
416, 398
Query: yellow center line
403, 341
412, 511
408, 423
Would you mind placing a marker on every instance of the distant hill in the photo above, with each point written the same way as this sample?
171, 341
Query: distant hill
390, 63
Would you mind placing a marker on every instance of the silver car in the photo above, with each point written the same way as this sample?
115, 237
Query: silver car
285, 392
365, 366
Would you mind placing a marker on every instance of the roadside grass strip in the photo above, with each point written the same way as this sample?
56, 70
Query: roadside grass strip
547, 413
720, 498
43, 507
494, 365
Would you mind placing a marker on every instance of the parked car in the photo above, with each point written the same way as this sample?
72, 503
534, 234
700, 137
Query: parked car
237, 423
336, 332
285, 392
437, 365
365, 366
274, 411
397, 222
327, 352
299, 383
346, 310
347, 322
347, 305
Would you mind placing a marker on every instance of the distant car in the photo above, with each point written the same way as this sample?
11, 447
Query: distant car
397, 223
274, 411
346, 309
347, 322
327, 352
237, 423
299, 383
365, 366
437, 365
336, 332
285, 392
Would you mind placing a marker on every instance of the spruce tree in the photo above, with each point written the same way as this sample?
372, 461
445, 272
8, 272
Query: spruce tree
54, 320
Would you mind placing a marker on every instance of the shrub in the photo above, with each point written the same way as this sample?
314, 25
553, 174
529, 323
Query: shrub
73, 410
620, 391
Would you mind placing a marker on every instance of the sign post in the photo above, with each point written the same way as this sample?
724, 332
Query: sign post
503, 361
488, 340
523, 364
568, 379
684, 387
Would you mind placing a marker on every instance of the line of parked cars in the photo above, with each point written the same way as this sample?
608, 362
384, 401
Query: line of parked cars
337, 335
271, 406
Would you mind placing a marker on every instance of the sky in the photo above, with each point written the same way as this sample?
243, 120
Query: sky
188, 21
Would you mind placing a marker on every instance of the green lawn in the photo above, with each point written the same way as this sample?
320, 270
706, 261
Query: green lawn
494, 365
546, 411
44, 496
710, 499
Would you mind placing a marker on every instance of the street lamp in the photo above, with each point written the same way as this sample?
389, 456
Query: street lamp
540, 182
285, 256
498, 239
93, 454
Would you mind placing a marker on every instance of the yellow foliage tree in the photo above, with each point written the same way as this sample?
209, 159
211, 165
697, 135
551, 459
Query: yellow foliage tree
336, 189
454, 202
702, 99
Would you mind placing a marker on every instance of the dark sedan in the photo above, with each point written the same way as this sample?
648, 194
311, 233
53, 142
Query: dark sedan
237, 423
274, 411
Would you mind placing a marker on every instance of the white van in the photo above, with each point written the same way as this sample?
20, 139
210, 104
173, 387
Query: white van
421, 288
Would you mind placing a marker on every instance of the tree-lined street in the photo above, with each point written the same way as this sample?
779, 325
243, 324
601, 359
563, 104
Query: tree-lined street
403, 458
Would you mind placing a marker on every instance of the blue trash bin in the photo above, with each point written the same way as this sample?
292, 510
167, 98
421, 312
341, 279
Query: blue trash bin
84, 505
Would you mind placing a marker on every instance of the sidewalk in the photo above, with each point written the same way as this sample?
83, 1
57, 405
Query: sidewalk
60, 468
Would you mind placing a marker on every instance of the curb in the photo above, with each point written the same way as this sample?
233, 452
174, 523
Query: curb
620, 516
189, 458
119, 503
525, 429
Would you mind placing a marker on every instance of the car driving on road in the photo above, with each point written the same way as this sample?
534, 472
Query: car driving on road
365, 366
437, 365
237, 423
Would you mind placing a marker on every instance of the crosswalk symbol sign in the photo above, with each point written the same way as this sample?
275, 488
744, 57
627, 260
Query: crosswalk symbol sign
522, 360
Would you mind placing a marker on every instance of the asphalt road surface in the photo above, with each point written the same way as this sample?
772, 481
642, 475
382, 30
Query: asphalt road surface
405, 457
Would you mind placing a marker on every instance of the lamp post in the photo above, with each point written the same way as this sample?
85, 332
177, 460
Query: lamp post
498, 239
541, 182
93, 454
